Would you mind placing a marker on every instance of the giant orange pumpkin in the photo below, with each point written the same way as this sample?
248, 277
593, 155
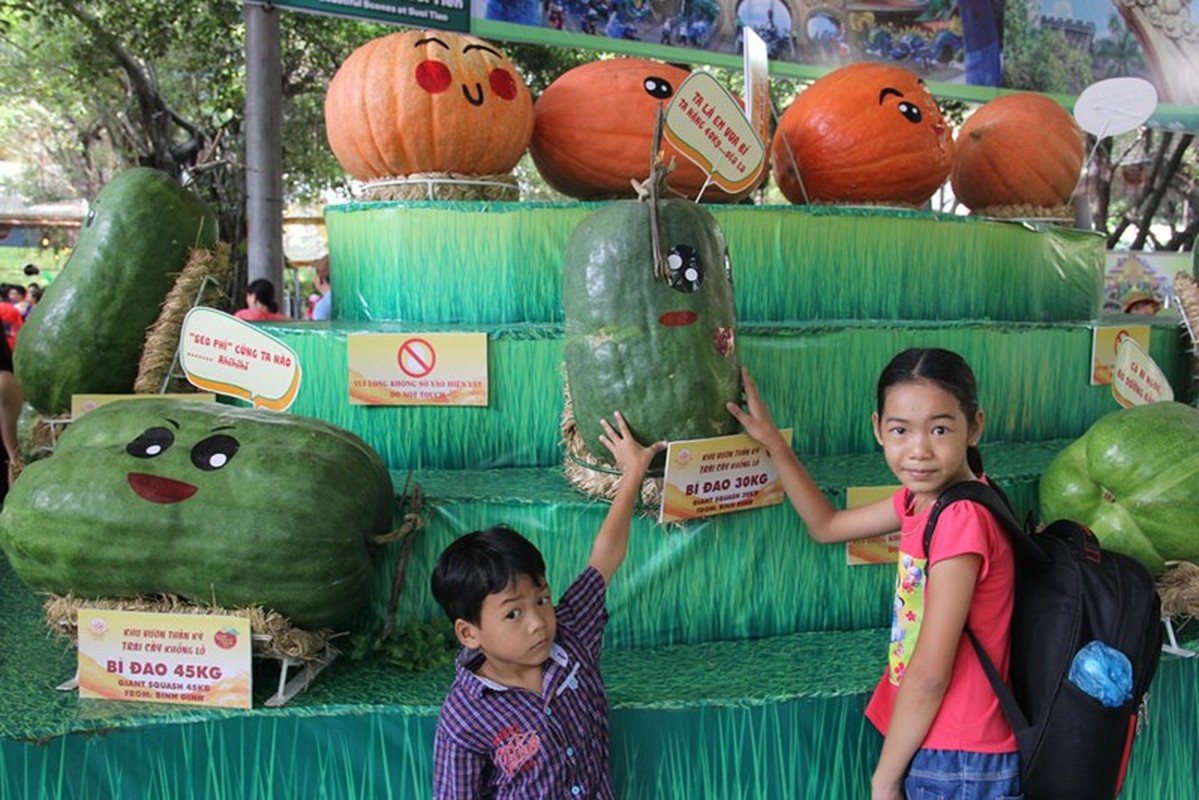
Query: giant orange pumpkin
427, 101
1017, 150
594, 131
864, 133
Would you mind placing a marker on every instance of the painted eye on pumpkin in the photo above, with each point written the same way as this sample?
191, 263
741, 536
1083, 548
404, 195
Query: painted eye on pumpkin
658, 87
686, 273
910, 111
91, 216
433, 76
502, 83
150, 443
214, 452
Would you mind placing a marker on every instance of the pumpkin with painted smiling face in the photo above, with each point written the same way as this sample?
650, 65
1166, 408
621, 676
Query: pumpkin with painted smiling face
865, 133
594, 130
427, 101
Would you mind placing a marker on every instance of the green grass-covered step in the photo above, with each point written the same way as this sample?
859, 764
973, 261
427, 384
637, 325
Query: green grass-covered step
502, 263
778, 717
818, 378
744, 575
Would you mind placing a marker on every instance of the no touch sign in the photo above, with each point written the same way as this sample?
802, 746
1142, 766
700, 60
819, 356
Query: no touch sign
418, 369
417, 358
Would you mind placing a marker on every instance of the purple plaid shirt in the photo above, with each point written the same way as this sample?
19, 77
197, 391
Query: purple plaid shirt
496, 741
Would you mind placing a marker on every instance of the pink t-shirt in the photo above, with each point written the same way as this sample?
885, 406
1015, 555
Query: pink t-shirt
254, 315
969, 717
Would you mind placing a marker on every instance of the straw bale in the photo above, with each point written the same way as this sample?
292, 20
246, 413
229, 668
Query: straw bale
285, 640
162, 338
502, 187
591, 476
1178, 588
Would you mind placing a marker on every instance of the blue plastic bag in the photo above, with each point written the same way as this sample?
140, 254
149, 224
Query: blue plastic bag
1103, 672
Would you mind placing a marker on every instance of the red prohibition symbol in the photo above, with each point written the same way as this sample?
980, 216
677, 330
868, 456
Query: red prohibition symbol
416, 358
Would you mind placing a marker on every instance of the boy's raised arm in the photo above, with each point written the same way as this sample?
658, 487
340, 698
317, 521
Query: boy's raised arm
612, 541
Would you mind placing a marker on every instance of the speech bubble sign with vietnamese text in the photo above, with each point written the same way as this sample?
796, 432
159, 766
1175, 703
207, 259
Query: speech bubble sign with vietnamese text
705, 123
1136, 377
221, 353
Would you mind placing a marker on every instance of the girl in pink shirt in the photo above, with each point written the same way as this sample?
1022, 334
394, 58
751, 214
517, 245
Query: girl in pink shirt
944, 732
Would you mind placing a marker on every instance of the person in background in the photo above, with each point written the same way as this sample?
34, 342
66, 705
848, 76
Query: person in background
33, 295
11, 400
324, 307
17, 296
260, 302
10, 318
1140, 301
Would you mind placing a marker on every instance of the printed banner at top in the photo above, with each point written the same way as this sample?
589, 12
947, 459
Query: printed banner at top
964, 50
446, 15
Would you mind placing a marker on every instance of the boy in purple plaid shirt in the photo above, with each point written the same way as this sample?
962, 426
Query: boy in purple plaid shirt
526, 716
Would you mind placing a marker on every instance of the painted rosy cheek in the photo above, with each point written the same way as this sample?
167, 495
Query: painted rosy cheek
432, 76
502, 83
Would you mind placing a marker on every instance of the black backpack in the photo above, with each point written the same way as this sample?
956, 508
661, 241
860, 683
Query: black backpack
1069, 591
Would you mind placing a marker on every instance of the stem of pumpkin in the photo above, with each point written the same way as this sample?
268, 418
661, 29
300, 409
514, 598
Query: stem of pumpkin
657, 174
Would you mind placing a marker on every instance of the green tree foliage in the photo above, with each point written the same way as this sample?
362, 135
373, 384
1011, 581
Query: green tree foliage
105, 84
1040, 59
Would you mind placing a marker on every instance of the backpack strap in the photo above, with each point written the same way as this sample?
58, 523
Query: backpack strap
994, 500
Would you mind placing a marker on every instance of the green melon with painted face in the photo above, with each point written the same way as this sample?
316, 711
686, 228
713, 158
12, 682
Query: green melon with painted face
217, 504
657, 345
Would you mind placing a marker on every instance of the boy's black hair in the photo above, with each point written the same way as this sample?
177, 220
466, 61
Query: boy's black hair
482, 563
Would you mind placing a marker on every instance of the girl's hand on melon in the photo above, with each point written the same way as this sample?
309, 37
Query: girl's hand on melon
631, 457
755, 417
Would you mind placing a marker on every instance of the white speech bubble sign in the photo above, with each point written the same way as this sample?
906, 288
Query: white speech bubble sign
706, 124
1136, 377
221, 353
1114, 106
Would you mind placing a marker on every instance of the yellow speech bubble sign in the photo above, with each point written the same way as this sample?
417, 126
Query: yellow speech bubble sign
1136, 378
221, 353
706, 124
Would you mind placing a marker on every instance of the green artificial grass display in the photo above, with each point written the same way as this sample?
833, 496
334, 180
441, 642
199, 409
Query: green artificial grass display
745, 575
817, 378
486, 263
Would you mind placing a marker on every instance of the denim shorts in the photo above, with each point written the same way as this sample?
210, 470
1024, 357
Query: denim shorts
958, 775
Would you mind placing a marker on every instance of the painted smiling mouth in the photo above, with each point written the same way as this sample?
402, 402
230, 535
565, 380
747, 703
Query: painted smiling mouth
471, 98
677, 319
160, 490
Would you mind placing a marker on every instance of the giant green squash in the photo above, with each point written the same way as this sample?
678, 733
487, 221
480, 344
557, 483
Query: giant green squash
1133, 478
86, 334
659, 348
214, 503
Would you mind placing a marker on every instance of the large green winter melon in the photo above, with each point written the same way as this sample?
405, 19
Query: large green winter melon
659, 349
214, 503
1133, 479
86, 334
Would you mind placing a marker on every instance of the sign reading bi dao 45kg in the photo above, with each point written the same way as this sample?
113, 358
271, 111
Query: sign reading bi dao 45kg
164, 658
